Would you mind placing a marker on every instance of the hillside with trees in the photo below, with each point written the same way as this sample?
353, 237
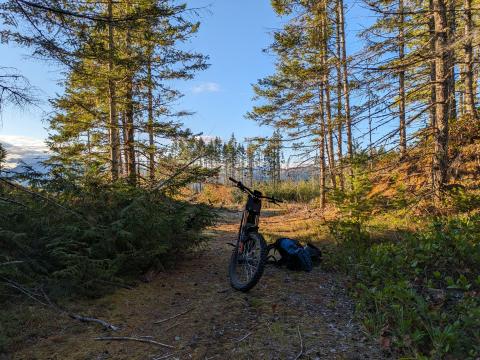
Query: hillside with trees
371, 136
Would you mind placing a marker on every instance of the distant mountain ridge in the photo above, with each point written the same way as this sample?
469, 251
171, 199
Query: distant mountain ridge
24, 150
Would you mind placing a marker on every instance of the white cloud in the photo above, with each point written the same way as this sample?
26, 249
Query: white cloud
23, 148
206, 138
206, 87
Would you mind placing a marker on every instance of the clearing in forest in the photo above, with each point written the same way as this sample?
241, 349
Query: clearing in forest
288, 315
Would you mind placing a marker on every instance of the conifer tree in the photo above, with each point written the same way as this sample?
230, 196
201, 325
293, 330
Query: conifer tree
251, 151
442, 96
119, 57
3, 155
340, 10
272, 157
296, 99
469, 84
15, 89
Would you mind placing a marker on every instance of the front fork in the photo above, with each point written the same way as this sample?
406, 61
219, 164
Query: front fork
242, 237
249, 223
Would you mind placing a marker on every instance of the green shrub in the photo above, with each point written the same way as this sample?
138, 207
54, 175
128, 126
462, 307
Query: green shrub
344, 231
421, 292
355, 206
463, 200
98, 233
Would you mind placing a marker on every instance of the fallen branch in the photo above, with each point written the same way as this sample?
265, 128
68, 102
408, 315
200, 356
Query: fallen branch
12, 202
301, 343
81, 318
128, 338
25, 291
49, 304
46, 198
244, 337
85, 319
171, 327
174, 316
12, 263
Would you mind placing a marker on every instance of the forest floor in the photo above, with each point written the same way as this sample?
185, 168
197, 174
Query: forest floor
288, 315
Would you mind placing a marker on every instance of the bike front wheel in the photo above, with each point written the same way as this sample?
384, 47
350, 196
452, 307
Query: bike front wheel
248, 262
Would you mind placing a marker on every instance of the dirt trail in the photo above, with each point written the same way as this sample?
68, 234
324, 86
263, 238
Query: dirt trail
288, 315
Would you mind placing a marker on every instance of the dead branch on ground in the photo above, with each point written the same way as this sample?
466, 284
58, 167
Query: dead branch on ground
244, 337
85, 319
44, 300
128, 338
301, 343
12, 263
174, 316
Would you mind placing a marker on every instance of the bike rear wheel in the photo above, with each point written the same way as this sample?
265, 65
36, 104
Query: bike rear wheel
248, 262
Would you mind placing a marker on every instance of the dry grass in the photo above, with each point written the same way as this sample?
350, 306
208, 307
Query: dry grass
291, 220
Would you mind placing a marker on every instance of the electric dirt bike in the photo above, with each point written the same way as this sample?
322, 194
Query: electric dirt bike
250, 251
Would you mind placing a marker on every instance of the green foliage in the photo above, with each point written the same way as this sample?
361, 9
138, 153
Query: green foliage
281, 7
355, 202
3, 155
344, 231
422, 292
463, 200
97, 233
355, 205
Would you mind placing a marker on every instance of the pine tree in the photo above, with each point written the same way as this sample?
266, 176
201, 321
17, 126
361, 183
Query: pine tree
340, 10
296, 99
119, 57
251, 151
3, 156
272, 157
15, 89
442, 95
470, 88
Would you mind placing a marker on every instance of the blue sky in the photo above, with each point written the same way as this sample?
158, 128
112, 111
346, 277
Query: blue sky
233, 34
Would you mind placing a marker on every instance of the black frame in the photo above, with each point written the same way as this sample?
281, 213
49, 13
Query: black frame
251, 213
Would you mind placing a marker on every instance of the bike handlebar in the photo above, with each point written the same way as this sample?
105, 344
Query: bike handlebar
242, 187
233, 180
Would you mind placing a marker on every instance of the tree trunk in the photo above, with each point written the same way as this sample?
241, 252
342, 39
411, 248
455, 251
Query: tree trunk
328, 105
402, 102
250, 169
124, 169
476, 71
279, 161
346, 88
321, 147
433, 98
451, 21
130, 134
339, 105
470, 92
129, 114
370, 143
113, 121
442, 88
461, 93
151, 136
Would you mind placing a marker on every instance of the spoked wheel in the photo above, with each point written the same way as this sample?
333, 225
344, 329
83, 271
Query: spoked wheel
248, 262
